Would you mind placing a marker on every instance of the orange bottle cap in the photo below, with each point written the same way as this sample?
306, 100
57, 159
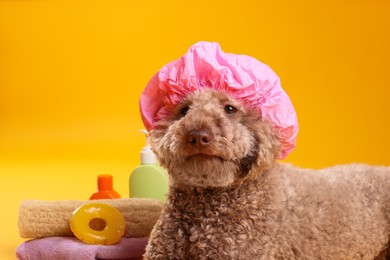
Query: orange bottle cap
105, 190
104, 182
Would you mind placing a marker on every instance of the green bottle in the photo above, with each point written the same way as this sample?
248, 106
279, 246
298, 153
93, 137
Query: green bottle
148, 180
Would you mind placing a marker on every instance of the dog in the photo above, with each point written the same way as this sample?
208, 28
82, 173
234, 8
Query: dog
230, 198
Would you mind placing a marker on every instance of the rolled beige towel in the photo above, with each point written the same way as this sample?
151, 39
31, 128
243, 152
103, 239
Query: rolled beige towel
38, 218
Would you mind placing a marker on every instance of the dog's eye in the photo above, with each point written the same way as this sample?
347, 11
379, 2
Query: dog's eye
230, 109
184, 110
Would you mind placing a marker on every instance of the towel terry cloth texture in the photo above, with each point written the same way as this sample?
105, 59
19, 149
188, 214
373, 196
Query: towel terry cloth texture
38, 218
70, 248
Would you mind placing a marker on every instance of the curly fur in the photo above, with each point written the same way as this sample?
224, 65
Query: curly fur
230, 199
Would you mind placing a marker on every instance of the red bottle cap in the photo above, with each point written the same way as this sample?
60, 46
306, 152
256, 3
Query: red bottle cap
105, 190
105, 182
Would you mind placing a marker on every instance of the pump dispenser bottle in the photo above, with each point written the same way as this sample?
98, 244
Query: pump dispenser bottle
148, 180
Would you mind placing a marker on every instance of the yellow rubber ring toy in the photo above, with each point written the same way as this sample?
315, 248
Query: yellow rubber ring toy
97, 223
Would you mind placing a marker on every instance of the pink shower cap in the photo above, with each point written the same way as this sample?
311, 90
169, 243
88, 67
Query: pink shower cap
244, 78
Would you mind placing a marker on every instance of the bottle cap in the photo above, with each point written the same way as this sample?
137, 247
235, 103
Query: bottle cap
104, 182
147, 155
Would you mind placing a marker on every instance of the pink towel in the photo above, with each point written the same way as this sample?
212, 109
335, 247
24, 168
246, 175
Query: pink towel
70, 248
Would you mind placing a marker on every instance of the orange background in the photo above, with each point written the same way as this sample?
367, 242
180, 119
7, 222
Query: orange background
71, 73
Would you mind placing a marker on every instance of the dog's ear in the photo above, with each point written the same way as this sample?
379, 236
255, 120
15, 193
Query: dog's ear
266, 147
269, 144
156, 143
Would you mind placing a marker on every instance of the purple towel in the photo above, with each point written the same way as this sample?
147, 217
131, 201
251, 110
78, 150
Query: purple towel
70, 248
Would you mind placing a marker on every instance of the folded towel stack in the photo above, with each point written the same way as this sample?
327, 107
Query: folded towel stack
48, 223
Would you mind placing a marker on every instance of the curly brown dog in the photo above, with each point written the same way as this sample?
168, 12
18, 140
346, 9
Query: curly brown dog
230, 199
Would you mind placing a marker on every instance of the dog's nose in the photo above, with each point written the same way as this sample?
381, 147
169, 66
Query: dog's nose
200, 137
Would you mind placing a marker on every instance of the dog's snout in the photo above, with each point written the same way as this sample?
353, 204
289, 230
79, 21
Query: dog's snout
200, 137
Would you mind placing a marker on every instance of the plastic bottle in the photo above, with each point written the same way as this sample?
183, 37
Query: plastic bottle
148, 180
105, 190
